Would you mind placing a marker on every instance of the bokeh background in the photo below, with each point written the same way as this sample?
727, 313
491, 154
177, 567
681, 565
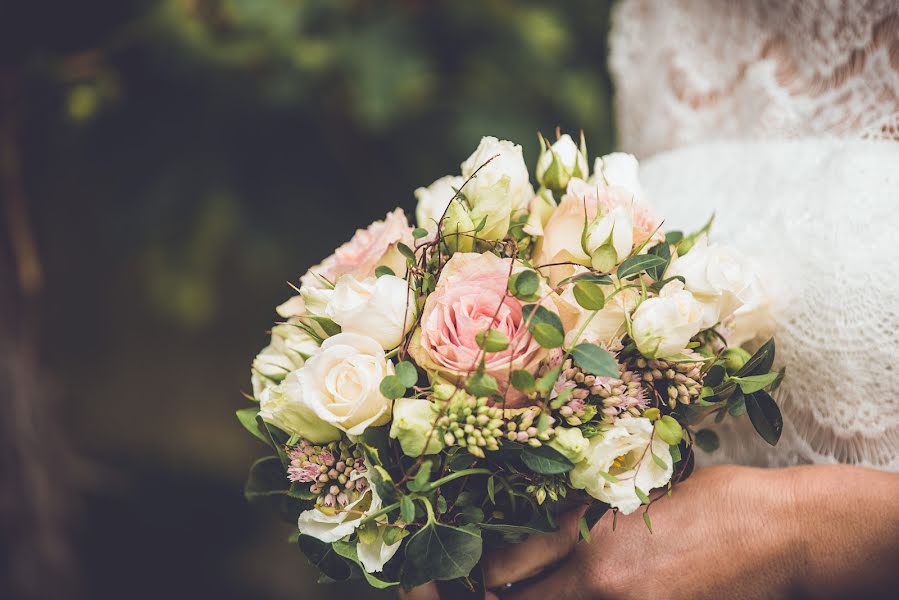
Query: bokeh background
165, 167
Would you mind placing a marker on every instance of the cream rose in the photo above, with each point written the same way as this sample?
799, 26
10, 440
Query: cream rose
471, 290
382, 308
433, 200
368, 249
288, 349
282, 406
341, 383
623, 451
663, 326
615, 231
621, 170
560, 162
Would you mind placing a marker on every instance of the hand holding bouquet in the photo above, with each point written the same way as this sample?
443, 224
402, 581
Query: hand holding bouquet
436, 389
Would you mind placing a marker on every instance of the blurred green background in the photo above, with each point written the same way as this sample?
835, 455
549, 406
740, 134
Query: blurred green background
166, 166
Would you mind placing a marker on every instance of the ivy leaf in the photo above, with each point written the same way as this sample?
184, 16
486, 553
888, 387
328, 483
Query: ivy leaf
266, 478
323, 557
523, 380
765, 416
545, 460
440, 552
348, 550
492, 340
544, 325
707, 440
589, 295
247, 418
595, 360
638, 264
407, 374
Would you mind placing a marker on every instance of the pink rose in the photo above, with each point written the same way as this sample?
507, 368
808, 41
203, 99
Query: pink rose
471, 290
369, 249
561, 240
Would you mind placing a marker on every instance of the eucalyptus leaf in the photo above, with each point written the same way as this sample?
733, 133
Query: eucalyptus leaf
391, 387
589, 295
383, 270
523, 380
544, 325
524, 284
407, 374
492, 340
481, 385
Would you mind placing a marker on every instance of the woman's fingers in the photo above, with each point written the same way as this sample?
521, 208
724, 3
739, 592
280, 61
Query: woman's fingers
524, 560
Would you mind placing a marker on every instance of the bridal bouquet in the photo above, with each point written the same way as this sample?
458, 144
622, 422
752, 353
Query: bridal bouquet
436, 389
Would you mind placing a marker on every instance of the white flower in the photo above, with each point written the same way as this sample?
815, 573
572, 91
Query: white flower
719, 277
374, 554
570, 441
500, 189
619, 169
283, 407
614, 229
433, 200
754, 319
381, 308
560, 162
413, 422
316, 299
663, 326
622, 451
341, 383
335, 523
289, 348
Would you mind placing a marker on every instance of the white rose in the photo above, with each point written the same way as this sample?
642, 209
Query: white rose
289, 348
718, 276
374, 554
500, 189
614, 229
663, 326
433, 200
335, 524
754, 319
282, 406
560, 162
316, 299
381, 308
621, 451
341, 383
619, 169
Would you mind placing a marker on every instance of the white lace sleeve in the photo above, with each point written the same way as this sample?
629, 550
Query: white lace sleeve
821, 218
690, 71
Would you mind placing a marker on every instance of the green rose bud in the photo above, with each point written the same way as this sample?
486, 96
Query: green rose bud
734, 359
571, 443
413, 422
560, 162
458, 228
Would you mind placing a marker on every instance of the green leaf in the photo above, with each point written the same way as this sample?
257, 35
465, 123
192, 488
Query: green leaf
491, 490
754, 383
658, 461
492, 340
266, 478
765, 416
324, 558
669, 430
548, 380
524, 285
608, 477
707, 440
641, 495
481, 385
647, 521
440, 552
348, 550
523, 380
673, 237
638, 264
419, 232
584, 529
407, 374
714, 377
663, 251
588, 278
406, 251
595, 360
545, 460
604, 258
383, 270
391, 387
422, 478
247, 418
736, 405
544, 325
760, 362
407, 509
675, 453
589, 295
383, 483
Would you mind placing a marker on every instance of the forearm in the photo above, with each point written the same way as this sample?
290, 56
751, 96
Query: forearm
845, 523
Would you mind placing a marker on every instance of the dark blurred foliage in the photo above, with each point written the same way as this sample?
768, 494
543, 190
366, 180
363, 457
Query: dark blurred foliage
167, 165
